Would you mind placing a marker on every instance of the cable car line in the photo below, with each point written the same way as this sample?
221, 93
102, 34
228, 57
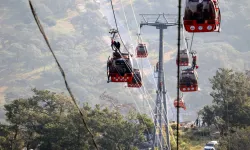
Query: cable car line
62, 72
117, 27
133, 13
126, 63
139, 31
164, 111
136, 81
136, 78
120, 54
138, 108
118, 71
135, 102
139, 38
126, 19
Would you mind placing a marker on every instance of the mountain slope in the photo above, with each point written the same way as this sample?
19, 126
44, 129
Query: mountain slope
78, 33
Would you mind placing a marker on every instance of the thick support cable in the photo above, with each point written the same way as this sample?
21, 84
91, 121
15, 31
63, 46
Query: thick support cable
160, 143
62, 72
124, 45
137, 79
139, 33
178, 72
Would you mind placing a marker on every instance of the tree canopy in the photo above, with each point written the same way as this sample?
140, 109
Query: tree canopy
236, 141
231, 104
50, 121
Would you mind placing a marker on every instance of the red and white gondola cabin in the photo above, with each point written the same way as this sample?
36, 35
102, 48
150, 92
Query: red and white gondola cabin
141, 51
120, 68
189, 80
181, 104
136, 81
184, 58
202, 17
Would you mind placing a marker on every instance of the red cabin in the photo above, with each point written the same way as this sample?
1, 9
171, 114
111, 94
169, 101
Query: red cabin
119, 68
136, 81
184, 58
141, 51
181, 104
202, 17
189, 80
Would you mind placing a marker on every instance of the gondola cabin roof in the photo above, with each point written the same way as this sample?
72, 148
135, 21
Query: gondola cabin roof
117, 55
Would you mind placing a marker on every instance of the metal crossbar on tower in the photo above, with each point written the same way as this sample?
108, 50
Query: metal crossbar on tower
161, 22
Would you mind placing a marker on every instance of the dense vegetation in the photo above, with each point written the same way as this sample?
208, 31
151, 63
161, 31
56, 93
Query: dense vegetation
230, 110
50, 121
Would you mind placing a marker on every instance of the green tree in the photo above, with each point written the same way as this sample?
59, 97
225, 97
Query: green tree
237, 141
7, 141
50, 121
230, 100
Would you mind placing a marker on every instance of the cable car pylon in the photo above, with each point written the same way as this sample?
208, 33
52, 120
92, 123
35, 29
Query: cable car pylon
161, 22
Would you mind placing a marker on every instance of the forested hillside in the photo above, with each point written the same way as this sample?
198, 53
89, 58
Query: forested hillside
76, 37
78, 33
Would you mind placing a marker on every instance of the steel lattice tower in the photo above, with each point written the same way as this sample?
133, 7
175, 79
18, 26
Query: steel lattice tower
161, 22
